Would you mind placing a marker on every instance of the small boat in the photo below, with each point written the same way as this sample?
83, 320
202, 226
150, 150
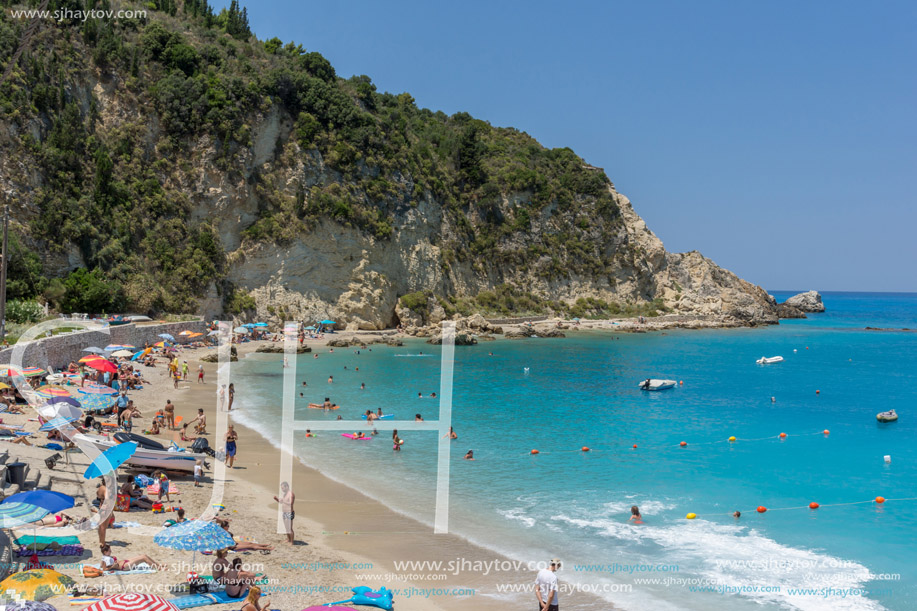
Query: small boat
654, 384
146, 456
766, 360
889, 416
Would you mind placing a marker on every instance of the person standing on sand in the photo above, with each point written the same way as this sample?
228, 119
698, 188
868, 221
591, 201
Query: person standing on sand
200, 374
286, 500
222, 394
546, 587
231, 438
184, 370
232, 395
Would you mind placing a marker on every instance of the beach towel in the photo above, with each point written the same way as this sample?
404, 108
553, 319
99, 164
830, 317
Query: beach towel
141, 569
42, 542
202, 600
64, 550
154, 488
84, 600
126, 525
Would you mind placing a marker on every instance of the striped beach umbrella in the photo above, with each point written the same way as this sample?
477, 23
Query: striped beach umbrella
98, 389
113, 347
14, 515
57, 423
31, 372
90, 358
94, 350
103, 365
94, 403
67, 400
194, 535
50, 390
7, 370
132, 601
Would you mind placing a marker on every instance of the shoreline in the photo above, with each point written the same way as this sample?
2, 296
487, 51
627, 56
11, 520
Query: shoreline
344, 520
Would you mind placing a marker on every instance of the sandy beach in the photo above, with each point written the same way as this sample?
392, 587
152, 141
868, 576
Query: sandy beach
343, 538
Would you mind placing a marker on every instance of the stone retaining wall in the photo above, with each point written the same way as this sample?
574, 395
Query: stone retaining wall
58, 351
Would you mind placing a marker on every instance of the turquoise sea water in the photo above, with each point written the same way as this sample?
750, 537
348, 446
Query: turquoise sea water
582, 390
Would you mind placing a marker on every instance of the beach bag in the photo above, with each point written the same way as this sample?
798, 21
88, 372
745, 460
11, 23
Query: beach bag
91, 571
123, 503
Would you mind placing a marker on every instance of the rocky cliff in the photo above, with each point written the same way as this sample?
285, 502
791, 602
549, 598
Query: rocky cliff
194, 167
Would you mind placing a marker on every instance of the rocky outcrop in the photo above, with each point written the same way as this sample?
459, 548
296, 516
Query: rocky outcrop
461, 339
278, 349
810, 301
785, 310
351, 342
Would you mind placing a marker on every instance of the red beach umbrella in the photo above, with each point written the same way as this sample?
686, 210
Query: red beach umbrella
102, 365
132, 601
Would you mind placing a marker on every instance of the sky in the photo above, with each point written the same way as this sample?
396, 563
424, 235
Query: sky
777, 138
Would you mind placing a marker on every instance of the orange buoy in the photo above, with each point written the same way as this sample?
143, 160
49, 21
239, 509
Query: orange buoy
817, 392
813, 505
762, 509
585, 449
880, 499
782, 435
681, 382
534, 451
683, 443
826, 432
635, 446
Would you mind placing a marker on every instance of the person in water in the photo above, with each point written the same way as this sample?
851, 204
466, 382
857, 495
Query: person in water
737, 514
418, 418
309, 433
635, 516
469, 455
370, 416
451, 434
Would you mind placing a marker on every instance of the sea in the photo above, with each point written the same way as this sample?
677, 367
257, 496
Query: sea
805, 432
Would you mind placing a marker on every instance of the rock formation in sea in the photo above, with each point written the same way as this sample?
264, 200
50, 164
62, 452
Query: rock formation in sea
810, 301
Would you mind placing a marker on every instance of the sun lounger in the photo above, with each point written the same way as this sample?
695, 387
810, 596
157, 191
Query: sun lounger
41, 542
136, 571
202, 600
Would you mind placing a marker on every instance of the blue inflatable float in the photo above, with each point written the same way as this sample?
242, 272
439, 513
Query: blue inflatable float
367, 596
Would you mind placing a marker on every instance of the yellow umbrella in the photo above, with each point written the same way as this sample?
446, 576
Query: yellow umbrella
37, 584
4, 386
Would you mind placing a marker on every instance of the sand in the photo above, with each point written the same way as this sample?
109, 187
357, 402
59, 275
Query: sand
343, 538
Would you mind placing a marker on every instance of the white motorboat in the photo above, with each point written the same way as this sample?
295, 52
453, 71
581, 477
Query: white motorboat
654, 384
889, 416
150, 454
767, 360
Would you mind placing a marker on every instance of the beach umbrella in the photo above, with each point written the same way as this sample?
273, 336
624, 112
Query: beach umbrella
249, 325
327, 322
50, 390
7, 370
28, 605
167, 336
94, 350
214, 332
103, 365
260, 324
37, 584
91, 358
46, 499
240, 330
14, 515
4, 386
311, 328
195, 334
132, 601
110, 459
68, 400
113, 347
61, 410
194, 535
97, 389
96, 403
186, 332
122, 353
56, 423
31, 372
137, 355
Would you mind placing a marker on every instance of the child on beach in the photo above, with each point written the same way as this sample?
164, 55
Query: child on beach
198, 473
164, 486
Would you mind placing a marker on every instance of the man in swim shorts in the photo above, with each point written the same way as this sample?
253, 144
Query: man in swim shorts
286, 500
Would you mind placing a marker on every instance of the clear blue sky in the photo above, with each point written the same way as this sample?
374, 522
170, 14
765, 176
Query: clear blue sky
777, 138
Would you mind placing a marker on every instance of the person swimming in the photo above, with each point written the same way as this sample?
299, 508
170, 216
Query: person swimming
635, 516
309, 433
469, 455
737, 514
418, 418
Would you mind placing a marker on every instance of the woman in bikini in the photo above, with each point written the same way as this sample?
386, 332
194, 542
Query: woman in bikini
111, 564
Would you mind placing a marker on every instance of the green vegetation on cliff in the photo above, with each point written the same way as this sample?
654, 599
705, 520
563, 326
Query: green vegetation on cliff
102, 116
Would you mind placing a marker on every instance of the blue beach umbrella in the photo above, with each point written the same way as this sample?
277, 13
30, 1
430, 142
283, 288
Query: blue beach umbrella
212, 333
241, 330
327, 322
67, 400
94, 350
110, 459
311, 328
260, 324
249, 325
167, 336
46, 499
194, 536
56, 423
14, 515
137, 355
